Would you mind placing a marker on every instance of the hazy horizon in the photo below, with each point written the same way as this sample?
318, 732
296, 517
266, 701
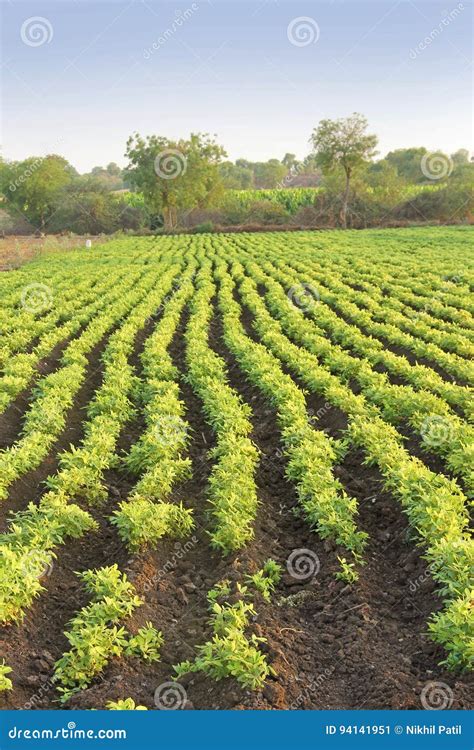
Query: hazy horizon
253, 72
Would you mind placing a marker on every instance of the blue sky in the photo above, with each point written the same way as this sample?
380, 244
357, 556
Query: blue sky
231, 69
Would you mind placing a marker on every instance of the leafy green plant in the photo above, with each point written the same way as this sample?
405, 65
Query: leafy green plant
230, 652
232, 488
266, 579
142, 523
453, 628
126, 704
93, 633
310, 452
348, 572
5, 682
146, 643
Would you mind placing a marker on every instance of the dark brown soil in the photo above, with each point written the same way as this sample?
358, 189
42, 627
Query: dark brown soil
332, 645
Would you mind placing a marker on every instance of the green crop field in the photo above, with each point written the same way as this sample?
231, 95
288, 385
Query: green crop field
235, 467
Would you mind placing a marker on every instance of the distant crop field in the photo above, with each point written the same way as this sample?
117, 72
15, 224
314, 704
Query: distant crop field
237, 467
290, 198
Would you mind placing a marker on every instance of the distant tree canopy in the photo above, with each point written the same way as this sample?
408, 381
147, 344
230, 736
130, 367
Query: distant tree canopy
110, 176
344, 144
236, 176
53, 197
407, 162
33, 185
269, 174
263, 175
174, 175
171, 182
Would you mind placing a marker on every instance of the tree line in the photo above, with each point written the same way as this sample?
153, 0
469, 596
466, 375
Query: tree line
168, 184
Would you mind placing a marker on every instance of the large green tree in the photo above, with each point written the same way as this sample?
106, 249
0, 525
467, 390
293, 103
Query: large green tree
344, 144
33, 186
174, 175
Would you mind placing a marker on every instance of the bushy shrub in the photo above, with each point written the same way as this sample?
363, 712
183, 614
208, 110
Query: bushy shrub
450, 204
267, 212
93, 212
204, 228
